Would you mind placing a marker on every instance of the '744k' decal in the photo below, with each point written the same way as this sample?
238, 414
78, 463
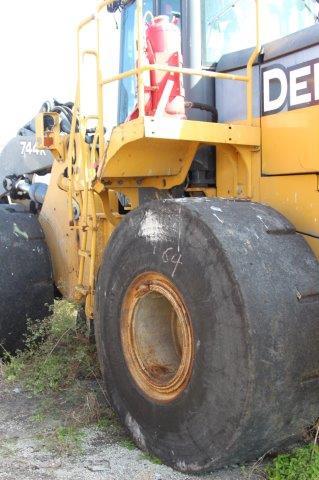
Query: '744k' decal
30, 148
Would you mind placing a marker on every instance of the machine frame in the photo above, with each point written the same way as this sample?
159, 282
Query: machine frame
93, 181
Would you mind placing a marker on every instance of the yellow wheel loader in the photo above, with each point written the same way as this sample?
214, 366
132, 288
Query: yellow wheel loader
190, 231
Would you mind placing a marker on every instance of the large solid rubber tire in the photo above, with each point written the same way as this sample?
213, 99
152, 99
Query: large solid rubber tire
26, 283
251, 287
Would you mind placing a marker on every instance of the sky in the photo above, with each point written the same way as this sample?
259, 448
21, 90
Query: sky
38, 56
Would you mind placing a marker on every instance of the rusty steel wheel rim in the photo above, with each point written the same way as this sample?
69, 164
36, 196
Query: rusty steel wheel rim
157, 337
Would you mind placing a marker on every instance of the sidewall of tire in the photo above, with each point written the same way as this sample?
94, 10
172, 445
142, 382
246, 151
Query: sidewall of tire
26, 282
186, 431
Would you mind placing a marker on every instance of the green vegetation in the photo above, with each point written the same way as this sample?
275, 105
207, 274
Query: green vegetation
67, 439
128, 444
59, 365
105, 423
7, 447
63, 440
57, 352
151, 458
301, 464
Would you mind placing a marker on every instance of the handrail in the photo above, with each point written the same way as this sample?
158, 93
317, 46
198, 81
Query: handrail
140, 58
142, 68
181, 70
88, 195
85, 22
250, 65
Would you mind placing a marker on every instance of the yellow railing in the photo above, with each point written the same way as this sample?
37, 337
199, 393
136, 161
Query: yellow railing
88, 194
139, 71
142, 67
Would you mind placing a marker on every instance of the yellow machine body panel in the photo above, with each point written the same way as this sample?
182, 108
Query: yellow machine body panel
158, 152
297, 198
62, 241
290, 142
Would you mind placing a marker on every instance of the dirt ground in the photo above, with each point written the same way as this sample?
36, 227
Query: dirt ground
30, 450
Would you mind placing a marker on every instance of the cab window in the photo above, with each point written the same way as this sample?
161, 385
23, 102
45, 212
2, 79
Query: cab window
229, 25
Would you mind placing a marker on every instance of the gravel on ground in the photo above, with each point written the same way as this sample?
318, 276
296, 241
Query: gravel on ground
27, 449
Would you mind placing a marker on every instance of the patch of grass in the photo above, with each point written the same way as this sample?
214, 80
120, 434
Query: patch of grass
8, 447
64, 440
68, 439
151, 458
57, 352
301, 464
104, 423
128, 444
38, 417
59, 365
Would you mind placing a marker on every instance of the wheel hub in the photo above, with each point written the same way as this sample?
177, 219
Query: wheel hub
157, 337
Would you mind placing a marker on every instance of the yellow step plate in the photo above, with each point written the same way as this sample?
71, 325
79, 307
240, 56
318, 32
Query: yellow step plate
165, 147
